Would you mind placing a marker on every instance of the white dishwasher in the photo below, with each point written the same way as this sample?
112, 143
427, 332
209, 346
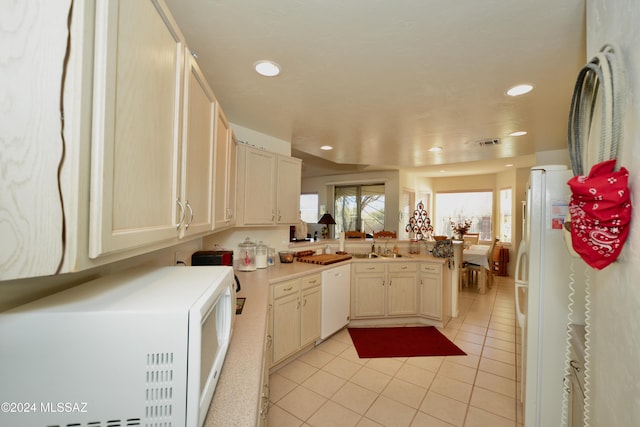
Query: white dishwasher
336, 299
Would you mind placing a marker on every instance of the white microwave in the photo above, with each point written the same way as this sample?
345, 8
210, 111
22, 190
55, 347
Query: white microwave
144, 347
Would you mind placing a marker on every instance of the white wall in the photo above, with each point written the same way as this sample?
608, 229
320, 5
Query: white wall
615, 291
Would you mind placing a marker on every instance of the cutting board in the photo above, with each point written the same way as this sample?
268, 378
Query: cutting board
324, 259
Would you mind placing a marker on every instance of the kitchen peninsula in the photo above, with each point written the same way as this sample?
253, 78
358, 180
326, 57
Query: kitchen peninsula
243, 384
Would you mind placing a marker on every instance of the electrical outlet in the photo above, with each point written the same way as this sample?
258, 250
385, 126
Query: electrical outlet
181, 258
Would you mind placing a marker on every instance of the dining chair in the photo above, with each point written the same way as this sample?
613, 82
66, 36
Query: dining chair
384, 234
471, 238
474, 270
353, 234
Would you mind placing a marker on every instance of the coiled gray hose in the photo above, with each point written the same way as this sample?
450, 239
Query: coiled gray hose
598, 77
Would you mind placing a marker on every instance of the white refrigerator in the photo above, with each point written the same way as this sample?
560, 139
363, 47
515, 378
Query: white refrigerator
543, 266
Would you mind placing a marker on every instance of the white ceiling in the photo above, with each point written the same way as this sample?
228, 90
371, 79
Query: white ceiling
382, 81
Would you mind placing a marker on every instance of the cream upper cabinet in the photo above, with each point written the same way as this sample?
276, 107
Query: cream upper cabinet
257, 175
225, 174
270, 187
196, 189
39, 202
288, 185
135, 159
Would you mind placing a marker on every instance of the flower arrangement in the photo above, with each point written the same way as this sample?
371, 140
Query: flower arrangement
461, 228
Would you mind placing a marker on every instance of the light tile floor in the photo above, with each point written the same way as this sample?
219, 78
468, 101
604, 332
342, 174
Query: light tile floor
330, 386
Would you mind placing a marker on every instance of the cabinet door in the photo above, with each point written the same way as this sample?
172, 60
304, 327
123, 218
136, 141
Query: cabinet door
31, 146
259, 191
431, 295
310, 315
402, 294
369, 290
138, 70
232, 175
286, 326
197, 151
288, 190
225, 158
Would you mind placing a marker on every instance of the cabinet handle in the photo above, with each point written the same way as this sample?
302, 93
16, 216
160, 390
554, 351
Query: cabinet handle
298, 303
273, 215
390, 282
288, 289
279, 215
190, 215
304, 303
371, 268
182, 214
313, 281
383, 283
404, 268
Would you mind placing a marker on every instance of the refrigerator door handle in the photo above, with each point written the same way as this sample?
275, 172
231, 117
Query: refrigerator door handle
519, 282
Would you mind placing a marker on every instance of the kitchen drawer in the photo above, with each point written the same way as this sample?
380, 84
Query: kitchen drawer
369, 267
431, 268
311, 281
286, 288
396, 267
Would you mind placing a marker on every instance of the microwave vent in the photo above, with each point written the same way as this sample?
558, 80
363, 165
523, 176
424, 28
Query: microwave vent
159, 390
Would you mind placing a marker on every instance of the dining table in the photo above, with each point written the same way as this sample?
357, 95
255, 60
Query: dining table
479, 255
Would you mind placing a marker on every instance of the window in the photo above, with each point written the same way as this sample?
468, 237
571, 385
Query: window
476, 206
359, 207
505, 215
309, 208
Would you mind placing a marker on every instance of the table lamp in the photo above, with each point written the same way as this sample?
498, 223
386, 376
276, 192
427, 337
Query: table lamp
327, 220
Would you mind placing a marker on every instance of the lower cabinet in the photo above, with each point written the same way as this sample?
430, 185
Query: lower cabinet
384, 289
297, 305
431, 290
436, 291
402, 295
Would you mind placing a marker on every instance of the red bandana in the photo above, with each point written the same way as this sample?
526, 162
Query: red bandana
600, 213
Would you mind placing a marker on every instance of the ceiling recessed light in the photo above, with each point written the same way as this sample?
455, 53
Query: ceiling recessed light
326, 148
435, 149
520, 90
518, 133
508, 165
443, 170
267, 68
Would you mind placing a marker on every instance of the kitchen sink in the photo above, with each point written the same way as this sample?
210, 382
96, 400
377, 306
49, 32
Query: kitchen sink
369, 255
391, 255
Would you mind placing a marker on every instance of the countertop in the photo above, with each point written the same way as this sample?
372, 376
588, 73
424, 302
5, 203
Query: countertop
237, 396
